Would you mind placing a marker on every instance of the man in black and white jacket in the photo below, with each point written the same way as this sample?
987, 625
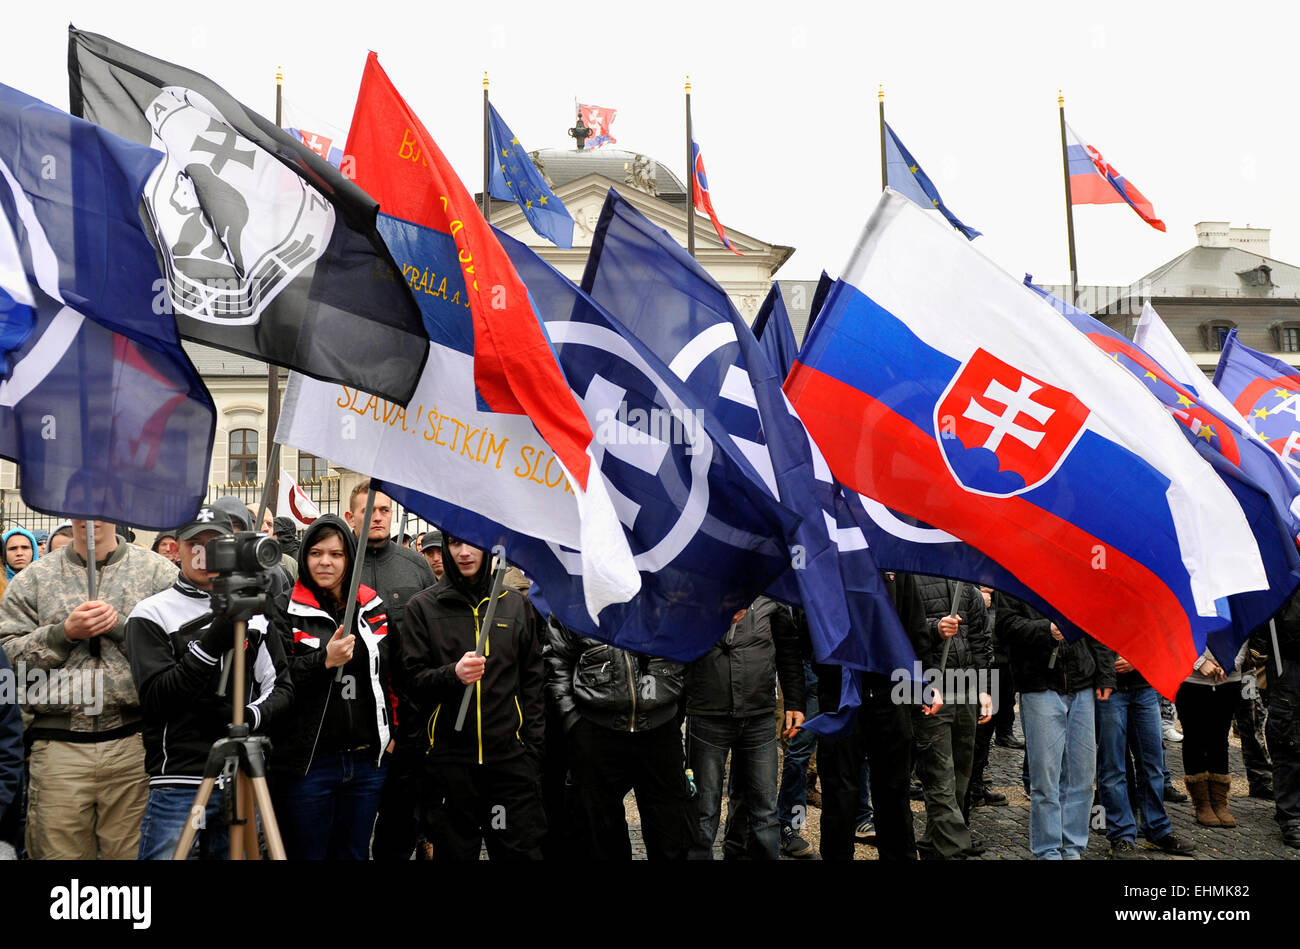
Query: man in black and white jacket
177, 651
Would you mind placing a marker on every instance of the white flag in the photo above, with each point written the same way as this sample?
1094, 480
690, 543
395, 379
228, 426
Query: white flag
294, 502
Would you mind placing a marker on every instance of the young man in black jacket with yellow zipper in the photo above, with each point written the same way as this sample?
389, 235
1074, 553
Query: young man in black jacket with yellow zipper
485, 780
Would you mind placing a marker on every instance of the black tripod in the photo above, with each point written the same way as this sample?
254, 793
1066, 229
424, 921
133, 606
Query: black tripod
239, 757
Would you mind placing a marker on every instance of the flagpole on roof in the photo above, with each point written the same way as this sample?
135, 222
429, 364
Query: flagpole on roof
270, 493
1069, 209
487, 150
884, 167
690, 175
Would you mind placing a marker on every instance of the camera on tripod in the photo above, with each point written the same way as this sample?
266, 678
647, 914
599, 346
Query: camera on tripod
241, 562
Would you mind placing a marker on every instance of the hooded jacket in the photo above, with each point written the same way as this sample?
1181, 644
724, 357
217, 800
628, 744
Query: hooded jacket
10, 572
328, 714
507, 714
1082, 664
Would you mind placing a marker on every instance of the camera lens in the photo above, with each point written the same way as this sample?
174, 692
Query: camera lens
267, 552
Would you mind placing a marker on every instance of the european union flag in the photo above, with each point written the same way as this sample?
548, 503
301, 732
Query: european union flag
99, 405
906, 176
515, 178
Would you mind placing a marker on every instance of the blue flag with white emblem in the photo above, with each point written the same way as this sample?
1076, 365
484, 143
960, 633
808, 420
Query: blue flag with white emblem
905, 175
99, 406
662, 295
705, 536
515, 178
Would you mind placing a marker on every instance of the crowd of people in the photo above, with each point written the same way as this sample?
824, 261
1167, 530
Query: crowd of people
412, 731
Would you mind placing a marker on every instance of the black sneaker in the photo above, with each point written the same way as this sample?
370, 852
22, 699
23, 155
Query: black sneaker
977, 847
1174, 796
792, 845
1172, 844
1123, 850
1009, 741
990, 798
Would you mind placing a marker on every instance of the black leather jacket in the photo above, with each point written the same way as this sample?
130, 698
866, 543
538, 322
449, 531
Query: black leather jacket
608, 686
737, 677
1083, 664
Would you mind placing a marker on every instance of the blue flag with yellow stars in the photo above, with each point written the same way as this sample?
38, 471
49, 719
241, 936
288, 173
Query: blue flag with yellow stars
906, 177
515, 178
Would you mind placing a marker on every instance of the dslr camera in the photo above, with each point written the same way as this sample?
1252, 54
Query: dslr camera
242, 584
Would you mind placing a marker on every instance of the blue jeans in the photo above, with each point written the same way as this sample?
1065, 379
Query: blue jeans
329, 813
164, 821
1132, 717
752, 743
1061, 738
792, 798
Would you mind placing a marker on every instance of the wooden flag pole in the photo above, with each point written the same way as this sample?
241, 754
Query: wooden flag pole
690, 175
363, 541
498, 579
884, 165
272, 370
1069, 208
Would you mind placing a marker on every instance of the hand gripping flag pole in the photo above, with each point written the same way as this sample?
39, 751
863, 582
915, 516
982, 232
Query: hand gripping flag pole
947, 643
498, 578
363, 541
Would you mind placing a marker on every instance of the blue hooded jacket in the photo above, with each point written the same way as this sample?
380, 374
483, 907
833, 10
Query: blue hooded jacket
4, 540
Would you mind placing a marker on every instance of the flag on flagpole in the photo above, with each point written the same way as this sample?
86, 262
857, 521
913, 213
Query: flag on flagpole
906, 176
515, 178
321, 136
600, 120
1266, 392
1010, 431
294, 502
703, 200
267, 249
1093, 180
99, 405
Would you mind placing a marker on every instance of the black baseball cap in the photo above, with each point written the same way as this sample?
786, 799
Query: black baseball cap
208, 518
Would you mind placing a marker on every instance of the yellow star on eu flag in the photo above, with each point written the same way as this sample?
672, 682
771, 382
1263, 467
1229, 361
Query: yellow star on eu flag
503, 169
1261, 413
505, 152
1205, 432
1281, 393
514, 141
528, 203
914, 169
542, 200
509, 184
1148, 374
1183, 400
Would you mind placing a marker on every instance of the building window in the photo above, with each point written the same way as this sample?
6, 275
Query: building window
243, 455
1286, 336
310, 468
1215, 333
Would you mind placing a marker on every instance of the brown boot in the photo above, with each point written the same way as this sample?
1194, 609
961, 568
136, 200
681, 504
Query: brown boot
1219, 786
1198, 786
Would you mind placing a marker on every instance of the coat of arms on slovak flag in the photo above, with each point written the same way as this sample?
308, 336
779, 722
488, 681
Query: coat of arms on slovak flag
1002, 431
600, 120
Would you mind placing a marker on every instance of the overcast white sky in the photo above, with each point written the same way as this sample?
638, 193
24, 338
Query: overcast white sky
1195, 102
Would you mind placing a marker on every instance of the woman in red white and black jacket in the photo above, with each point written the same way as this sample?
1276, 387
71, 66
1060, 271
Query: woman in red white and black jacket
330, 757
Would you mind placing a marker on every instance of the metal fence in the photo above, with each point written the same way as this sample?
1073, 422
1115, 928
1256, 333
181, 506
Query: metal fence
324, 492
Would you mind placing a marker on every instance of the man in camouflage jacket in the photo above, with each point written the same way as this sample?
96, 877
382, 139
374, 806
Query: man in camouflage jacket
88, 783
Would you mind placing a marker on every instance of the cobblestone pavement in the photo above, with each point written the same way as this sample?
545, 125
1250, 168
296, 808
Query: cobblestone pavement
1005, 830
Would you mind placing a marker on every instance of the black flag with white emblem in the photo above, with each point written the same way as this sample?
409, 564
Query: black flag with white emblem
266, 249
